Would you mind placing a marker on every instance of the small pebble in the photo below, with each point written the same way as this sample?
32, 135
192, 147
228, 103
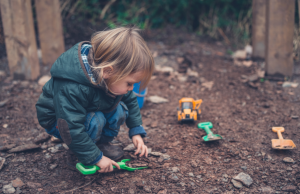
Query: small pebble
288, 160
244, 167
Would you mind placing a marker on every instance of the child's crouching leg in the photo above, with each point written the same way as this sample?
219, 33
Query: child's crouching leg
114, 120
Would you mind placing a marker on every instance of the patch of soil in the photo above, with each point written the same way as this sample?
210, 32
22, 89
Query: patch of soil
243, 115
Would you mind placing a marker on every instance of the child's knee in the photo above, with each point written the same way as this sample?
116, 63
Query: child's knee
120, 116
94, 124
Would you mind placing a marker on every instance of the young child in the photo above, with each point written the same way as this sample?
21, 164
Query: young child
89, 96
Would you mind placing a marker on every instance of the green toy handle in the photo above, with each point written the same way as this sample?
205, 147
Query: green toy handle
207, 130
206, 126
91, 169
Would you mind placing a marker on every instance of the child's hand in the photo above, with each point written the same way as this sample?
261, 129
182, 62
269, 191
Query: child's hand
139, 144
105, 165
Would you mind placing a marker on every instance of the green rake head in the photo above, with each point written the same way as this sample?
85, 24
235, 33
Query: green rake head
91, 169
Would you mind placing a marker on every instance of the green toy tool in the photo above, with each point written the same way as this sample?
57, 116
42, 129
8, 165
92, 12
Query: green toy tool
91, 169
206, 126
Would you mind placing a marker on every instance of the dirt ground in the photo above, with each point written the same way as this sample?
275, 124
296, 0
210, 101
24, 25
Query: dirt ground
242, 111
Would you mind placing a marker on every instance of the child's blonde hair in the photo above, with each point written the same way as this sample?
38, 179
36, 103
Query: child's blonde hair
123, 49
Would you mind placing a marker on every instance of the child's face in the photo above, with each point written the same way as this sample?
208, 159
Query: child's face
126, 84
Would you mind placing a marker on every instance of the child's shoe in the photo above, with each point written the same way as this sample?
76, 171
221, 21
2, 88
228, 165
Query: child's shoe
113, 152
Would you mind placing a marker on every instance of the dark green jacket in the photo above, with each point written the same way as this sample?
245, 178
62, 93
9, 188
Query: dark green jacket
69, 95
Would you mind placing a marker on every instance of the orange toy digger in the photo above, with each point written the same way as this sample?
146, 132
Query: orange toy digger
188, 109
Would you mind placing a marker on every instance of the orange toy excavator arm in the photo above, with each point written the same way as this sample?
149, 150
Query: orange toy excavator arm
197, 105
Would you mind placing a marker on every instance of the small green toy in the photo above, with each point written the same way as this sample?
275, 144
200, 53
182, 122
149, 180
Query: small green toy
91, 169
206, 126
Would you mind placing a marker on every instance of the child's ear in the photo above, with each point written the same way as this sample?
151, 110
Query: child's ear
107, 72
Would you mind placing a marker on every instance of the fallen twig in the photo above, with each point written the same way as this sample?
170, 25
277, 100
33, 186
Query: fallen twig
78, 187
8, 155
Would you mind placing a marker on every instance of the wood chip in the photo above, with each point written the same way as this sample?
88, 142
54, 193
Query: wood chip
24, 148
41, 138
2, 160
2, 103
7, 147
55, 140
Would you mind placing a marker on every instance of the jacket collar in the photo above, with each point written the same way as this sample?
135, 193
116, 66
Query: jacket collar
102, 85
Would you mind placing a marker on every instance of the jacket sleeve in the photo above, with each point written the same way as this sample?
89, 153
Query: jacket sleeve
70, 106
134, 119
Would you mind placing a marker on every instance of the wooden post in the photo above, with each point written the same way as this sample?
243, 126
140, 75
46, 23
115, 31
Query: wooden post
50, 30
259, 28
20, 39
279, 37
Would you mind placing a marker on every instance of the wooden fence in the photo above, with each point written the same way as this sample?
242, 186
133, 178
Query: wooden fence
272, 35
20, 38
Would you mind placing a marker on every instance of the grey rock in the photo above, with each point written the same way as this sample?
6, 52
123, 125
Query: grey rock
288, 160
52, 166
225, 178
244, 167
8, 189
156, 154
267, 157
165, 157
130, 147
181, 184
236, 184
253, 77
175, 169
191, 174
244, 178
53, 149
289, 169
174, 177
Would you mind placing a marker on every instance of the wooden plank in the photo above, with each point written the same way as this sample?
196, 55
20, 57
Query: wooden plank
50, 30
20, 39
259, 28
279, 37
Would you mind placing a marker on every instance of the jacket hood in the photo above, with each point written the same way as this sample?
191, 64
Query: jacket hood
70, 66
